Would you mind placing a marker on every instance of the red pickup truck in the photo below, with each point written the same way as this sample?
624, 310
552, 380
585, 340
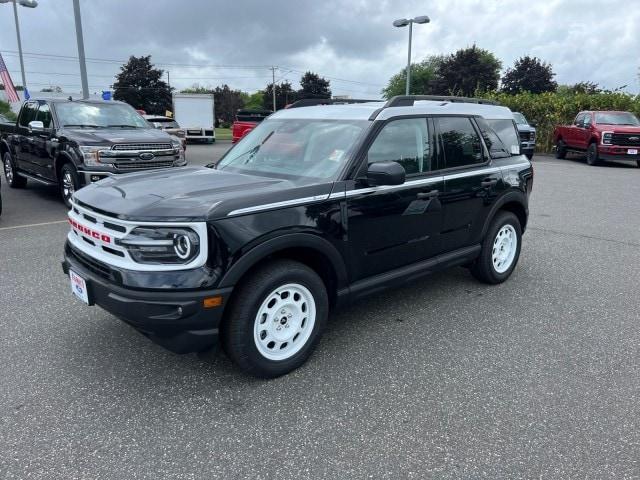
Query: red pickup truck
246, 120
604, 135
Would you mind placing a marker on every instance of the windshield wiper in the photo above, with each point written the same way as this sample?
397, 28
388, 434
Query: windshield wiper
81, 125
122, 126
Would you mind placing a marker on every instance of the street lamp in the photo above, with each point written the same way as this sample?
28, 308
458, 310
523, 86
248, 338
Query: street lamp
403, 22
28, 4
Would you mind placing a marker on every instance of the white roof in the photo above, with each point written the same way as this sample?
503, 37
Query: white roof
363, 111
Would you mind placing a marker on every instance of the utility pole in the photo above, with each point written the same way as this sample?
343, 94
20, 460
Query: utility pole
409, 60
168, 79
15, 14
273, 87
83, 64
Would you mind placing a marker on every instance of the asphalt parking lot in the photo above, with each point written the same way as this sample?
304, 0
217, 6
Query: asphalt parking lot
447, 378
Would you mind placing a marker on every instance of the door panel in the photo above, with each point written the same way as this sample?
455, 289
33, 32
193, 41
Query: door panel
24, 146
40, 143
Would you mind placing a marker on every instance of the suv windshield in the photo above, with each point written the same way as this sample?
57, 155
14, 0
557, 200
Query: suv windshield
98, 115
163, 122
617, 118
520, 119
295, 148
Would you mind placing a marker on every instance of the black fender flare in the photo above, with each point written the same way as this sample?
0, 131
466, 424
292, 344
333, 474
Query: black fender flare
283, 242
512, 196
60, 158
5, 146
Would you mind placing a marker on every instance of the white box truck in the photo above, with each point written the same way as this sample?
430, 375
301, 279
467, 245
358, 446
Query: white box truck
195, 113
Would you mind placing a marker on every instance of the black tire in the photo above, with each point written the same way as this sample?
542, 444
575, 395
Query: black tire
592, 154
484, 268
238, 330
68, 182
529, 156
638, 163
561, 150
13, 179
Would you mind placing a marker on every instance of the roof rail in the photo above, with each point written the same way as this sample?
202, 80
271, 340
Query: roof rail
312, 102
407, 100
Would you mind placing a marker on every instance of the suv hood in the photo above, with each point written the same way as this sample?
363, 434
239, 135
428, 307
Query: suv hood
183, 194
112, 136
617, 128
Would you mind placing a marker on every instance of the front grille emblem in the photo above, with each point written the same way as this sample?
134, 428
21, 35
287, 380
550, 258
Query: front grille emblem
147, 156
634, 139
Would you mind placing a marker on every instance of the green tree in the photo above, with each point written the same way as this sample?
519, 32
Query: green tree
284, 96
141, 86
314, 86
467, 72
529, 74
422, 76
5, 109
253, 101
228, 102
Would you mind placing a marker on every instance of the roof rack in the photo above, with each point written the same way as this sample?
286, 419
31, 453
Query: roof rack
407, 100
312, 102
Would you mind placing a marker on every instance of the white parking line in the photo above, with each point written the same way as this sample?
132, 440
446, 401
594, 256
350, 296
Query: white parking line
33, 225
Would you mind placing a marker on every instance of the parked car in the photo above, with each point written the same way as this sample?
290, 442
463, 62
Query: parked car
246, 120
603, 135
169, 125
196, 113
75, 143
527, 134
314, 208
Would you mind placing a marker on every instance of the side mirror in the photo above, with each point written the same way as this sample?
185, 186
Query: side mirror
385, 173
36, 126
533, 124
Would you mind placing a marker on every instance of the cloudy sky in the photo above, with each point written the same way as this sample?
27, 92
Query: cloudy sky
352, 42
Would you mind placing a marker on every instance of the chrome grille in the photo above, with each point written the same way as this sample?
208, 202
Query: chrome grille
136, 165
626, 139
142, 146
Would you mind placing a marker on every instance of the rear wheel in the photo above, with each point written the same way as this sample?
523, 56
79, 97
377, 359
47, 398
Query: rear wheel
592, 154
13, 179
561, 149
69, 183
638, 163
500, 249
276, 319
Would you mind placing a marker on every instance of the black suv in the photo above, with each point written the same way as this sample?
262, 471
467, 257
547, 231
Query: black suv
316, 207
74, 143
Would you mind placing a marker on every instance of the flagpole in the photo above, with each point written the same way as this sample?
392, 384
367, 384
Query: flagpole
24, 78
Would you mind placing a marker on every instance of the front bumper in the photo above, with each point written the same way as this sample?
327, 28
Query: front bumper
619, 153
176, 320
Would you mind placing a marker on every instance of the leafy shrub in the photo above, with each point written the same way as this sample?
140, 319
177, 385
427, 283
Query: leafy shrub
5, 110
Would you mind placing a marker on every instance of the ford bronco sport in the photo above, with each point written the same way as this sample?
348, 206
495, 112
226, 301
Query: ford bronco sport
314, 208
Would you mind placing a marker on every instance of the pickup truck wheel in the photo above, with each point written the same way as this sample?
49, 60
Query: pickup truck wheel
13, 179
592, 155
276, 319
561, 150
69, 183
500, 249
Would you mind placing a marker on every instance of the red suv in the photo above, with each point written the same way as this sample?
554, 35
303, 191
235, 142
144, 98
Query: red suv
606, 135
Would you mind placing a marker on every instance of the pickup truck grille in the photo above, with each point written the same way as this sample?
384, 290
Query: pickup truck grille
141, 146
136, 165
626, 139
526, 136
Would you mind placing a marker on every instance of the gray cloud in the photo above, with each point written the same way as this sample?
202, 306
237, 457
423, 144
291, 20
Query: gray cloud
352, 42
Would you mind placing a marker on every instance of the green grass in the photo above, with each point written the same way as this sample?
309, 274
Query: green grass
223, 134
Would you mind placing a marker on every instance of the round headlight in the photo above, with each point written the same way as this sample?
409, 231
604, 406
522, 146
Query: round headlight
182, 246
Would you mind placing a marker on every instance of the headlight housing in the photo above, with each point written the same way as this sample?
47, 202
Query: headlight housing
162, 245
91, 155
607, 138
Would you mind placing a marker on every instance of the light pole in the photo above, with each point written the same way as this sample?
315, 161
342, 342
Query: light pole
403, 22
80, 40
28, 4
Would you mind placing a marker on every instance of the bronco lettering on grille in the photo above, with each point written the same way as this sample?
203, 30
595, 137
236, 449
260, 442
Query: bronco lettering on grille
87, 231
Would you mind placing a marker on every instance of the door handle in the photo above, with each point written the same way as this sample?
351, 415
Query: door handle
489, 182
425, 195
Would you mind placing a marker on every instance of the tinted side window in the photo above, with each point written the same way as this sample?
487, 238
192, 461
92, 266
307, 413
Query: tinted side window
405, 141
460, 141
491, 140
579, 120
28, 113
44, 115
587, 120
508, 134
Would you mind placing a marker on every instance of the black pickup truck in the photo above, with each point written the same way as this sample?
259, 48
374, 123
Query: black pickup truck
74, 143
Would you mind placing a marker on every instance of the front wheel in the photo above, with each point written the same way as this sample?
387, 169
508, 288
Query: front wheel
276, 319
500, 249
69, 183
592, 155
561, 150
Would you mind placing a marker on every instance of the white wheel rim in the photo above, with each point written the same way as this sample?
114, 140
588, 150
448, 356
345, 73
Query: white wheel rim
505, 245
8, 170
67, 185
284, 322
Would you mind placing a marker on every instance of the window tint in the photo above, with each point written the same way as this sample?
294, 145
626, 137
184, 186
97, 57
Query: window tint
44, 115
28, 113
491, 140
405, 141
461, 142
508, 134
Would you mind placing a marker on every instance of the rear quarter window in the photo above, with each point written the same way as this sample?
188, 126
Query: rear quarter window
507, 133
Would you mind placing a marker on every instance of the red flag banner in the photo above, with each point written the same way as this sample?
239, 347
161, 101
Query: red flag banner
9, 89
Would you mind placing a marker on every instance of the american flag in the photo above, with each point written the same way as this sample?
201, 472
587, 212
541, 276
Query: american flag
9, 89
